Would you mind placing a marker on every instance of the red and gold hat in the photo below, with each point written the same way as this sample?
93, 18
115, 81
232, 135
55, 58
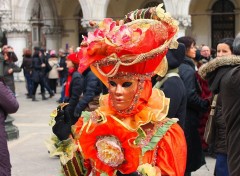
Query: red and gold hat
136, 45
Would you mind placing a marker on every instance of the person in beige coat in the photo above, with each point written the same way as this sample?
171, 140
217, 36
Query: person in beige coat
53, 73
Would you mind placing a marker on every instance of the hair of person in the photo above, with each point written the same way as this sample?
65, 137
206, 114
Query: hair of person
236, 45
27, 52
203, 45
227, 41
76, 65
36, 53
187, 41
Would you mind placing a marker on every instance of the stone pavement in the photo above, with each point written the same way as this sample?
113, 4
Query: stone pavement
29, 156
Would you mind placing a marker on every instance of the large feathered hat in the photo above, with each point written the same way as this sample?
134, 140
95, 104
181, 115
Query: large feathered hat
136, 45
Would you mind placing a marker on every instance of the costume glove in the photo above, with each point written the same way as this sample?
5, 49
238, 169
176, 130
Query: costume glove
62, 127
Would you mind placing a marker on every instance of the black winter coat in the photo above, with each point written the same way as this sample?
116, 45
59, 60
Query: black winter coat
219, 128
38, 71
223, 76
214, 79
195, 106
9, 78
27, 65
75, 91
87, 85
174, 89
230, 88
63, 73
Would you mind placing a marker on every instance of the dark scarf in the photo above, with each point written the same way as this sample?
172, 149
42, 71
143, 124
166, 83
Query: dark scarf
69, 79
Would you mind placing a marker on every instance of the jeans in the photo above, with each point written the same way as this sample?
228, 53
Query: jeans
61, 99
29, 83
221, 165
46, 85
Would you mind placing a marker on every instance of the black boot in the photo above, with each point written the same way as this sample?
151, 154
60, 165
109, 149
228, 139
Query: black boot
34, 98
51, 95
43, 97
29, 96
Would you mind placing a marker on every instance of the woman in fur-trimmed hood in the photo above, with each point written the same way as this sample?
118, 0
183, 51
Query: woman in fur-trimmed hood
223, 77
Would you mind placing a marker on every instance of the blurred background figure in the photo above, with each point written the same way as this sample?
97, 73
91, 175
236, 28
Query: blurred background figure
10, 68
195, 106
8, 49
70, 50
53, 73
205, 52
63, 71
38, 74
27, 71
203, 56
44, 57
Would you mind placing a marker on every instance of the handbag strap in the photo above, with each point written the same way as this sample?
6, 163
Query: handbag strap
213, 105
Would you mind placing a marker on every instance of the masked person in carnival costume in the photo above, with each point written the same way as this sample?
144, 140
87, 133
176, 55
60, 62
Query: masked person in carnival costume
129, 133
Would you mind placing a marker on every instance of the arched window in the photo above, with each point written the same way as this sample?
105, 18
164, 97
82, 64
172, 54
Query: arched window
223, 21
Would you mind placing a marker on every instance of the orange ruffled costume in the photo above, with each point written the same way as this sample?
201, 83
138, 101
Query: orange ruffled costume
140, 138
168, 151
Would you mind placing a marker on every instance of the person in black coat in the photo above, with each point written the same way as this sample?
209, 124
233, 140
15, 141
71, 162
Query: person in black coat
27, 70
217, 130
9, 69
195, 107
223, 75
63, 72
80, 89
62, 66
38, 74
73, 87
172, 82
91, 90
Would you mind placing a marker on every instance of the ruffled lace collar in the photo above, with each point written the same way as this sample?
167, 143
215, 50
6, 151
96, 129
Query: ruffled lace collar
155, 111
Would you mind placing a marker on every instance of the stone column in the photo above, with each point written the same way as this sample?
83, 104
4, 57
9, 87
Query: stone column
52, 35
179, 10
94, 10
184, 23
16, 34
